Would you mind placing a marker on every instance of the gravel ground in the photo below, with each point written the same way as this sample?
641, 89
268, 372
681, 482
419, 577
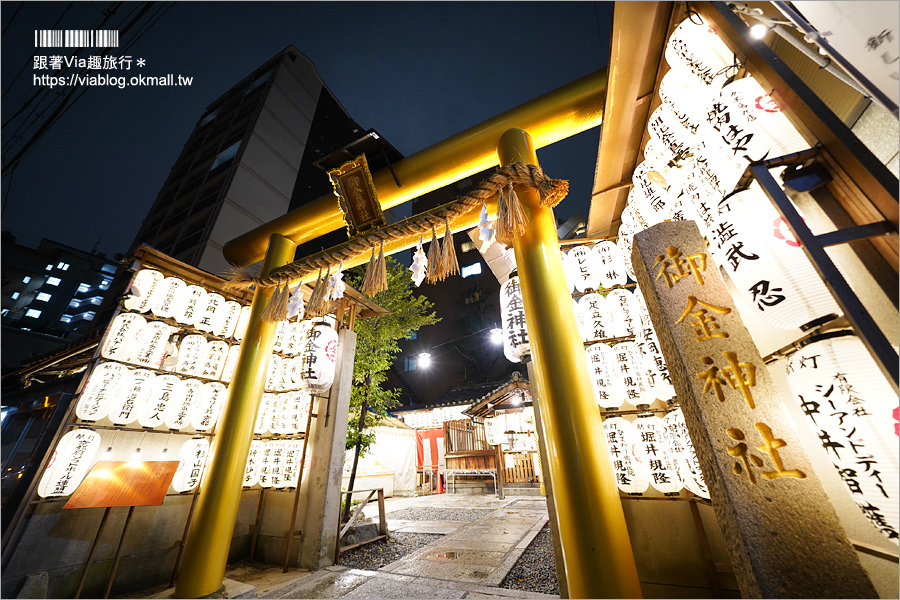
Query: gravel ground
466, 515
535, 571
372, 557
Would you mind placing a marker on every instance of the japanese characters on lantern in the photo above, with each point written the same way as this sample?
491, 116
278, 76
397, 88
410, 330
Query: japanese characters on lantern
512, 316
317, 357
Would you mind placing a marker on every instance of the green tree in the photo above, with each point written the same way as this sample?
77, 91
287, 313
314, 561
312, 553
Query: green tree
377, 344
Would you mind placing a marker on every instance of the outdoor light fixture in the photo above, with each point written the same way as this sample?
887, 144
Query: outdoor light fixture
424, 360
497, 335
759, 31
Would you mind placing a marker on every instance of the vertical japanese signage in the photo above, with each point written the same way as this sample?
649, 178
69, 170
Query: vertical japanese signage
769, 502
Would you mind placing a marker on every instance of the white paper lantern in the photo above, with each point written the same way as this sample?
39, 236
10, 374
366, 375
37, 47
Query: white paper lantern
211, 313
301, 410
626, 239
230, 363
166, 392
280, 335
516, 346
179, 416
631, 476
627, 372
683, 449
102, 387
124, 337
580, 320
213, 360
696, 51
687, 98
600, 361
194, 298
243, 321
290, 472
170, 297
264, 414
133, 396
611, 264
276, 464
652, 449
775, 277
69, 463
143, 291
191, 352
228, 319
212, 397
648, 198
152, 348
274, 373
664, 124
318, 356
265, 465
597, 319
583, 268
294, 337
293, 367
191, 462
657, 380
853, 410
254, 460
624, 313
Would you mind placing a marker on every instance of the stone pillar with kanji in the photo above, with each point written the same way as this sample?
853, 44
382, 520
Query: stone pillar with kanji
783, 535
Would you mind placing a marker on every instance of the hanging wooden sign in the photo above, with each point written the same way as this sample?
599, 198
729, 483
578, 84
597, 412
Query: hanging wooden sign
357, 196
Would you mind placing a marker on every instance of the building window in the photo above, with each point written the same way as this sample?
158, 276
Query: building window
409, 364
32, 313
96, 300
74, 303
53, 280
225, 155
104, 284
15, 296
209, 117
83, 287
4, 312
467, 246
62, 266
26, 279
44, 297
49, 267
66, 319
108, 268
258, 82
473, 269
89, 316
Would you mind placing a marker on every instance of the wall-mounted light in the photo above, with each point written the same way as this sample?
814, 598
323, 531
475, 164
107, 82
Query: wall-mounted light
424, 359
496, 336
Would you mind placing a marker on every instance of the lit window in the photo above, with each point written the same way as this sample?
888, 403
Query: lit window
74, 303
63, 266
44, 297
66, 319
53, 280
4, 312
409, 364
473, 269
104, 284
34, 314
26, 279
225, 155
259, 81
15, 296
108, 268
83, 287
96, 300
89, 316
467, 246
49, 267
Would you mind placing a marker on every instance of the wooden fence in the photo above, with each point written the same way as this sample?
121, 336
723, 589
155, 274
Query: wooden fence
464, 436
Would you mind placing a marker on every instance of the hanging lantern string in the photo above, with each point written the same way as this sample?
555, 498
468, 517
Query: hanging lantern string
551, 191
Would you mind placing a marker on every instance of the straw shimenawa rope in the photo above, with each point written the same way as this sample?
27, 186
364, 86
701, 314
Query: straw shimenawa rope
552, 192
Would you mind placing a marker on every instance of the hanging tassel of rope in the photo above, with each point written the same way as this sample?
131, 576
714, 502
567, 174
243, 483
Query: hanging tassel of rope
277, 308
435, 272
449, 264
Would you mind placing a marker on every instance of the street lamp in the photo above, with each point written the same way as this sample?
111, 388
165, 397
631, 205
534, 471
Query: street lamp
424, 360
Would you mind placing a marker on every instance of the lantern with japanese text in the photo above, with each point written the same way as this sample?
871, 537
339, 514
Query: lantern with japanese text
265, 465
69, 463
625, 239
170, 297
274, 373
280, 335
853, 411
687, 98
212, 396
290, 471
580, 320
512, 316
696, 52
318, 356
211, 312
264, 414
152, 349
254, 460
143, 290
277, 463
627, 372
124, 337
183, 409
649, 198
213, 360
102, 387
165, 394
600, 359
230, 362
623, 313
580, 265
611, 266
227, 319
682, 447
597, 321
657, 381
666, 127
133, 395
631, 476
191, 462
194, 298
652, 449
774, 275
191, 352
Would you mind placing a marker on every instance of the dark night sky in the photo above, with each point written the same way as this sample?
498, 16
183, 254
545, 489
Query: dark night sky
418, 72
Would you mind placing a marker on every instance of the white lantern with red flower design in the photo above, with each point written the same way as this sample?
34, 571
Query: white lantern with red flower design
69, 463
318, 356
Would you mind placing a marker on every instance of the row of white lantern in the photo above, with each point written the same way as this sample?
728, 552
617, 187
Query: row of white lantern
656, 452
285, 413
127, 396
593, 268
854, 412
76, 454
516, 346
172, 297
273, 464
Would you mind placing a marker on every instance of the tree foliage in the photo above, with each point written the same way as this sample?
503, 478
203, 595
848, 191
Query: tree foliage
377, 344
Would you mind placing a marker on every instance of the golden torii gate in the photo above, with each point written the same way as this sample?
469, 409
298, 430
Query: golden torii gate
594, 539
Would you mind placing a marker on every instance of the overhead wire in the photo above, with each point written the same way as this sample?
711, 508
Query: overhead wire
31, 59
